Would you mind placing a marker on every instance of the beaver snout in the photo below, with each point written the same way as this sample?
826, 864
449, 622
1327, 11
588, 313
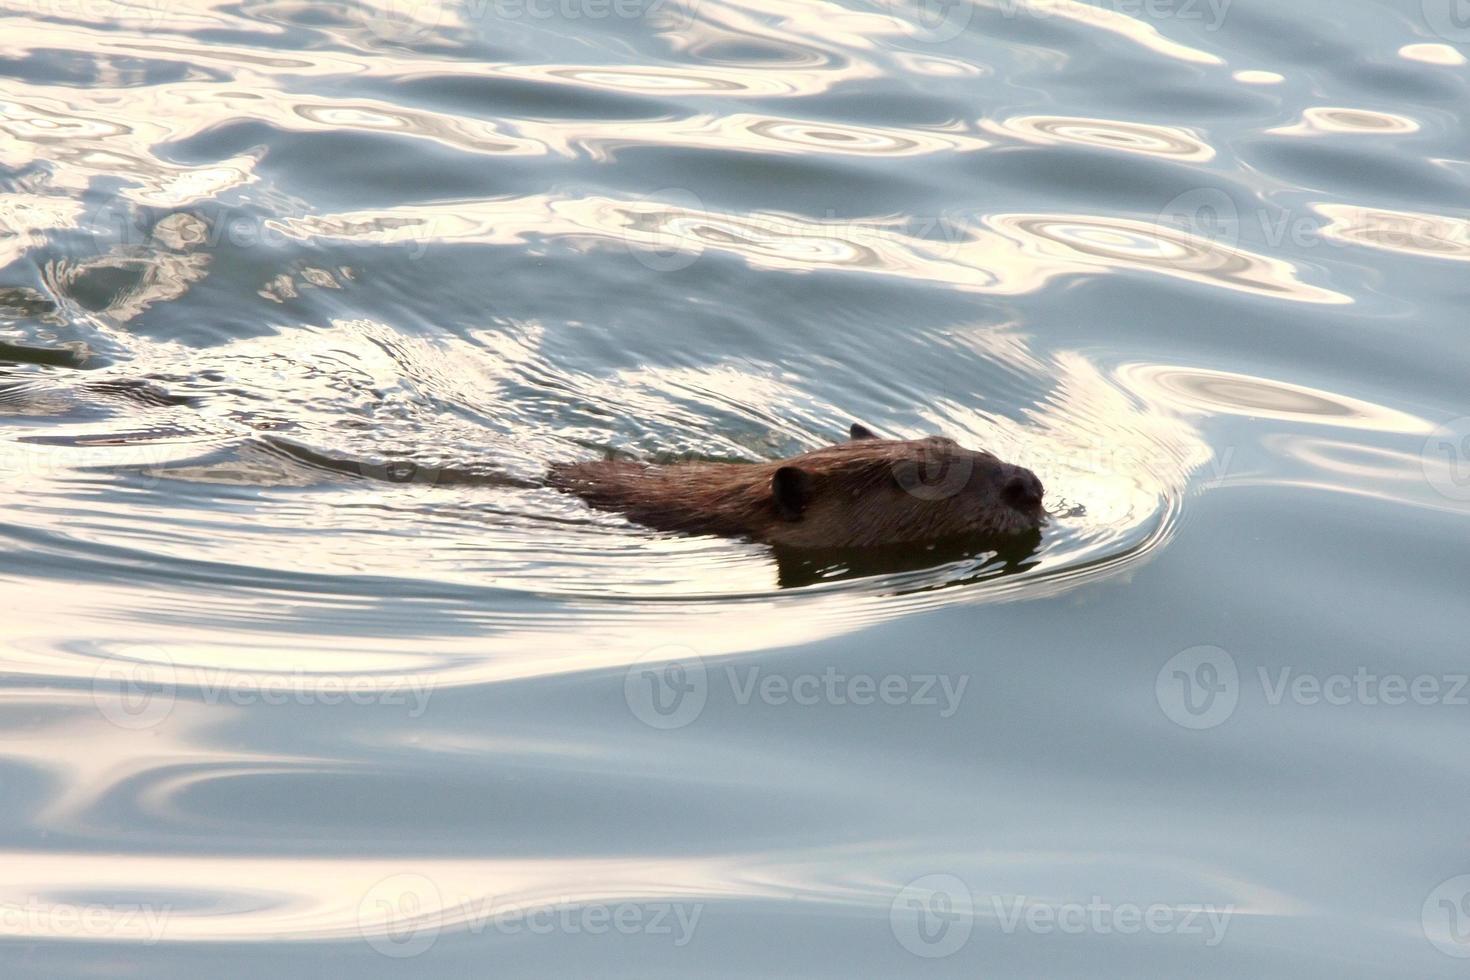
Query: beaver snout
1023, 491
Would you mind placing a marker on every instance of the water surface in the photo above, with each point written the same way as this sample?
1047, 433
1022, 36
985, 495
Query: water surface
297, 683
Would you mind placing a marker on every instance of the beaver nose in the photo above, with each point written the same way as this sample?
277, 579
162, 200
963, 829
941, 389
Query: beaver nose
1022, 491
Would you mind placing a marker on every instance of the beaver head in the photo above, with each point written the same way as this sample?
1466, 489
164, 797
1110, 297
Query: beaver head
872, 491
866, 492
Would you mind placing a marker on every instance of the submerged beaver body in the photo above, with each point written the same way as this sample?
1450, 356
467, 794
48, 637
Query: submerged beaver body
868, 492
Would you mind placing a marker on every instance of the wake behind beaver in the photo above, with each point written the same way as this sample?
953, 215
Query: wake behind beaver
867, 492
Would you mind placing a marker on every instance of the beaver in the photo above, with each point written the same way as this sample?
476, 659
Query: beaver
867, 492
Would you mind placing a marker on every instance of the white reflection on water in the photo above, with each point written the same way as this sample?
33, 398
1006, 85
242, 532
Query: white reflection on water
1005, 254
1394, 476
1325, 120
1111, 20
1256, 76
1432, 54
302, 898
1172, 142
1200, 391
749, 133
1429, 236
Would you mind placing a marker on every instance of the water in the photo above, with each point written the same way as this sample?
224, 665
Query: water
295, 687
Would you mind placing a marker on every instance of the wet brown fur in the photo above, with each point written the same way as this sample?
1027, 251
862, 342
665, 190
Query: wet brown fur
863, 493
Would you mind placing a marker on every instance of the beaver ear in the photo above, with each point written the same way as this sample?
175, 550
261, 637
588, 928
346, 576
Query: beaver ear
860, 431
791, 488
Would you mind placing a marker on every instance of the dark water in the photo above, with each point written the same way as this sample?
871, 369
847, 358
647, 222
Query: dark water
294, 688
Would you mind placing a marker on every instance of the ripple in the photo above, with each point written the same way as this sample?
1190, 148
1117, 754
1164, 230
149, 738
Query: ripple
34, 124
862, 141
1110, 134
936, 66
1429, 236
247, 481
1361, 465
126, 281
1378, 473
1225, 392
1256, 76
1432, 54
1113, 21
24, 218
746, 133
485, 543
477, 136
121, 15
723, 81
1007, 254
1121, 243
93, 139
179, 899
1320, 120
